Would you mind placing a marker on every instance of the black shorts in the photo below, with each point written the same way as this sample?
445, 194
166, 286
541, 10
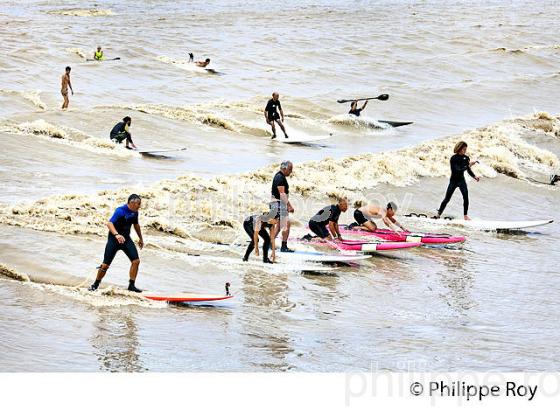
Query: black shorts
113, 246
320, 230
359, 217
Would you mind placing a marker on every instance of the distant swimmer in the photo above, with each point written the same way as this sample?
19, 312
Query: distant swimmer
66, 83
121, 132
119, 239
280, 202
354, 110
273, 114
324, 223
364, 215
256, 226
191, 57
203, 63
460, 163
98, 54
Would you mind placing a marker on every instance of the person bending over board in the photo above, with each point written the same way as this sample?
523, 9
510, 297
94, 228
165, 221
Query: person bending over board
256, 225
121, 132
354, 110
119, 239
364, 215
98, 54
65, 84
460, 163
328, 217
280, 202
203, 63
273, 114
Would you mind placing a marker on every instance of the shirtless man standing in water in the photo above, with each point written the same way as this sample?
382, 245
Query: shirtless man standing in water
64, 87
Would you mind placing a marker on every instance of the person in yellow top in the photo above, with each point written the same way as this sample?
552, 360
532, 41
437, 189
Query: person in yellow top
98, 55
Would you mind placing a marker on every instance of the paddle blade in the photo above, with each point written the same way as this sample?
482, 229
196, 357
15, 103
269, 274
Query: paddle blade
342, 101
383, 97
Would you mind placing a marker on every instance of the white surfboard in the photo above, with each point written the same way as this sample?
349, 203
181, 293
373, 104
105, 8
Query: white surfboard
159, 151
480, 224
302, 139
309, 256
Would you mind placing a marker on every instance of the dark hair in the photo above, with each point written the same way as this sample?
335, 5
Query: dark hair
392, 205
127, 119
133, 198
68, 68
207, 60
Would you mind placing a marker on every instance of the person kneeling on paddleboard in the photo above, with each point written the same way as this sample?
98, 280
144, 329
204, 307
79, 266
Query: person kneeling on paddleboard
272, 116
121, 132
256, 225
119, 240
354, 110
365, 213
328, 216
203, 63
460, 163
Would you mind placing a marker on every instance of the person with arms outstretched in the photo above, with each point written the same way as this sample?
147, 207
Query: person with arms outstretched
119, 239
354, 110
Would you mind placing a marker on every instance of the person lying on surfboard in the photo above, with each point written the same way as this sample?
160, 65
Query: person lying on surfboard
121, 132
354, 110
460, 163
272, 115
255, 226
365, 213
119, 239
328, 217
203, 63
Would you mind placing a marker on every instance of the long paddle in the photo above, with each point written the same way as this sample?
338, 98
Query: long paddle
382, 97
105, 59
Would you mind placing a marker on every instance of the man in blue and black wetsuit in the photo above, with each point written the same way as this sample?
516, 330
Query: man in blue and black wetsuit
119, 239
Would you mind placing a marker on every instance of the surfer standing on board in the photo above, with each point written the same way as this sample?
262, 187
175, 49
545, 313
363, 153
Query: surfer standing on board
354, 110
119, 240
280, 202
364, 215
460, 163
273, 114
65, 84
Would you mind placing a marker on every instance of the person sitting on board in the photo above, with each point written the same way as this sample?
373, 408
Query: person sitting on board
203, 63
191, 57
256, 225
328, 217
98, 54
460, 163
354, 110
365, 213
280, 201
273, 114
121, 132
119, 239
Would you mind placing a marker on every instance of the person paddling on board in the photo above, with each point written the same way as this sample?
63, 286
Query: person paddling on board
203, 63
280, 202
121, 132
119, 240
328, 217
191, 57
65, 84
364, 215
354, 110
460, 163
98, 54
273, 114
256, 225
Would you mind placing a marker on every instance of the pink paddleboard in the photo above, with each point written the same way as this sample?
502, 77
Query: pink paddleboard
388, 235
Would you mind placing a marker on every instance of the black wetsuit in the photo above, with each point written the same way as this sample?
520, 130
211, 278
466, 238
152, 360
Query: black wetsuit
122, 219
459, 164
318, 223
272, 108
249, 226
119, 133
356, 112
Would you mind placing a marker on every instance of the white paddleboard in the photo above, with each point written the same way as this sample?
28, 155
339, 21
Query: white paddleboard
310, 256
159, 151
480, 224
308, 139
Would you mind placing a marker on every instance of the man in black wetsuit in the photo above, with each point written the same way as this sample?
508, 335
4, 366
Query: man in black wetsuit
280, 202
119, 239
460, 163
273, 114
354, 110
121, 132
328, 217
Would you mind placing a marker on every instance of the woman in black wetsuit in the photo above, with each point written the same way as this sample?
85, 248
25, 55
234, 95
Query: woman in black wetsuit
256, 225
460, 163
